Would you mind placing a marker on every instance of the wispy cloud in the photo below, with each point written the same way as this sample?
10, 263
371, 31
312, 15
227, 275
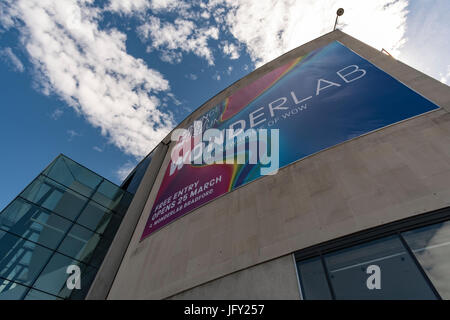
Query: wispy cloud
57, 114
181, 35
191, 76
217, 76
90, 69
171, 57
269, 28
10, 58
174, 99
445, 77
73, 134
125, 170
231, 50
98, 149
129, 7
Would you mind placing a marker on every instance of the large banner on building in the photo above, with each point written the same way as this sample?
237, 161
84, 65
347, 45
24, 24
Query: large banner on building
317, 101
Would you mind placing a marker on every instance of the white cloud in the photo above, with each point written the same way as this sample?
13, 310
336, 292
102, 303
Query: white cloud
174, 99
8, 55
128, 6
270, 28
72, 134
445, 78
168, 5
56, 114
231, 50
91, 70
172, 57
98, 149
182, 35
125, 170
191, 76
205, 15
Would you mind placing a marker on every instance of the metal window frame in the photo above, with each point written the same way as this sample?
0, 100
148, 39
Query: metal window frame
74, 222
375, 233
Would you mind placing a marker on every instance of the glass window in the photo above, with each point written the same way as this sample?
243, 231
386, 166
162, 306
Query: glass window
21, 260
39, 295
55, 197
313, 280
99, 252
53, 278
431, 246
56, 222
79, 243
122, 207
88, 276
73, 176
14, 213
11, 290
108, 195
133, 182
399, 276
97, 218
33, 223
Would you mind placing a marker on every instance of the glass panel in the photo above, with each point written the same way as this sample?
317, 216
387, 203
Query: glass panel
21, 260
54, 197
431, 246
99, 252
54, 277
134, 182
14, 213
399, 275
97, 217
38, 295
79, 243
108, 195
313, 280
73, 176
32, 223
88, 276
11, 290
124, 203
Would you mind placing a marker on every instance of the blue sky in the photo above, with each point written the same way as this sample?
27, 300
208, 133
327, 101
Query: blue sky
103, 81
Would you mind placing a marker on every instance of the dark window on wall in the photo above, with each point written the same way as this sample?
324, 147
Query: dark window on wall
407, 260
132, 182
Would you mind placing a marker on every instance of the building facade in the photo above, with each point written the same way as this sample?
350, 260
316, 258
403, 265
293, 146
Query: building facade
359, 208
306, 232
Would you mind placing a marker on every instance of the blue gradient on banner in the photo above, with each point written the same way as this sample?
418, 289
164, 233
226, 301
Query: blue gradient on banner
337, 113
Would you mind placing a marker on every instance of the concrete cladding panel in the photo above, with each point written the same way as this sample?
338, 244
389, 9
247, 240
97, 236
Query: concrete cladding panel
396, 172
256, 282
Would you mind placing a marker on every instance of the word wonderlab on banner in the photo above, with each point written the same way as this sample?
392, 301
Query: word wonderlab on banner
214, 146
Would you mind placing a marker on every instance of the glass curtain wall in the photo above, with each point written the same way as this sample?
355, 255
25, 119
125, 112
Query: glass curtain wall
67, 216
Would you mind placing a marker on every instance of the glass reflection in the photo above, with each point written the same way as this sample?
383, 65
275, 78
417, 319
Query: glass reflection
313, 280
431, 246
11, 291
64, 217
400, 278
20, 260
33, 223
